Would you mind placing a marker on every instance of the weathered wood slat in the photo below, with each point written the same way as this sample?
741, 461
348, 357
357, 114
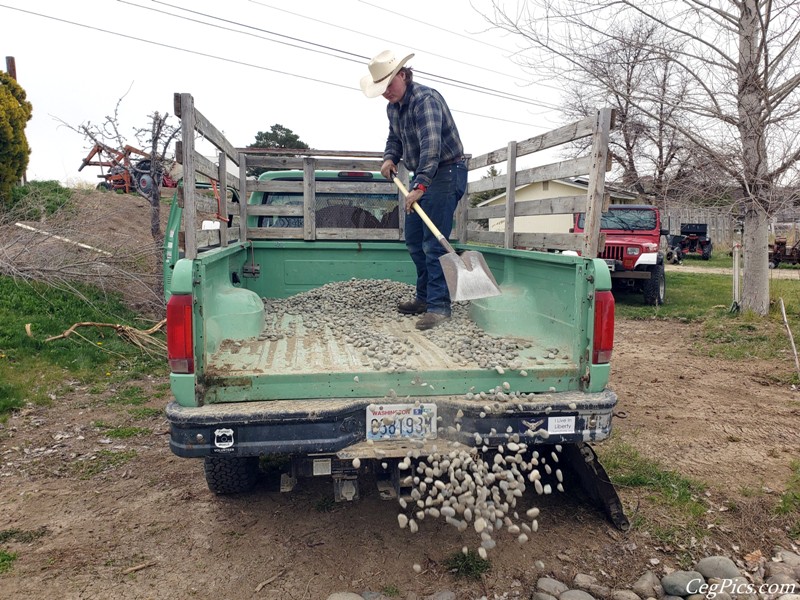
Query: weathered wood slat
215, 136
205, 166
551, 206
548, 241
486, 237
573, 167
511, 194
187, 154
341, 233
486, 212
551, 139
259, 210
597, 177
309, 200
373, 154
296, 162
561, 205
275, 233
322, 187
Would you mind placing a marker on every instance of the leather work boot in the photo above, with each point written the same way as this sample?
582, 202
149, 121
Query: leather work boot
430, 320
415, 307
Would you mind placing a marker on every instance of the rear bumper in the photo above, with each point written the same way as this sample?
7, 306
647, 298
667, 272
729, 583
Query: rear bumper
328, 426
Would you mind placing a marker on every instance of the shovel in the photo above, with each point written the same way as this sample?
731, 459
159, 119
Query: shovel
467, 276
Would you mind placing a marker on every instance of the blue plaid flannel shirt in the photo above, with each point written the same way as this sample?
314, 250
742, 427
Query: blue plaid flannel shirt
422, 132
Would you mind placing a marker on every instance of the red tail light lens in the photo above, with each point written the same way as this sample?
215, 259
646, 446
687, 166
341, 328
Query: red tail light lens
179, 334
603, 328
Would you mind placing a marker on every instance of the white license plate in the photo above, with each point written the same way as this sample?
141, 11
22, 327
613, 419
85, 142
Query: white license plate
611, 263
394, 421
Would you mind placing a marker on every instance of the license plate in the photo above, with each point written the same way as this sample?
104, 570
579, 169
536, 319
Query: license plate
611, 263
394, 421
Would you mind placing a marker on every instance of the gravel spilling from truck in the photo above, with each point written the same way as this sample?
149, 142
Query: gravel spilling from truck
469, 488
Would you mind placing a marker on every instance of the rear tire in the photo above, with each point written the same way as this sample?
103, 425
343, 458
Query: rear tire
655, 288
706, 252
227, 475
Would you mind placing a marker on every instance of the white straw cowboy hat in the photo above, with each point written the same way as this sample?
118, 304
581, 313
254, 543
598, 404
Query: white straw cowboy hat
382, 69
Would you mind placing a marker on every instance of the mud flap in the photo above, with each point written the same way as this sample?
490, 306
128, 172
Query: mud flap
595, 482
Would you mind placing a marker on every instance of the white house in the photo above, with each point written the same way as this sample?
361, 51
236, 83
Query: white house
541, 190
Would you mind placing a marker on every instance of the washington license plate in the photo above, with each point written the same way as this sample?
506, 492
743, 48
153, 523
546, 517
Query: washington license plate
394, 421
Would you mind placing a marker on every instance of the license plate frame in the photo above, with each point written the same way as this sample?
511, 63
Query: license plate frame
401, 421
611, 263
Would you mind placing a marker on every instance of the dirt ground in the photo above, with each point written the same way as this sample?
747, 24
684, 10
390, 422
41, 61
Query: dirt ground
91, 516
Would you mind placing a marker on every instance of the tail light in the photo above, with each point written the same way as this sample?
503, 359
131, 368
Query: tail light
603, 328
179, 334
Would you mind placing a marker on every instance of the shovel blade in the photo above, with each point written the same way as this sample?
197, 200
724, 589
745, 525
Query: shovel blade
468, 276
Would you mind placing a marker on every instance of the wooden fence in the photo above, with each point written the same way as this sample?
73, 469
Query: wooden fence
721, 222
244, 227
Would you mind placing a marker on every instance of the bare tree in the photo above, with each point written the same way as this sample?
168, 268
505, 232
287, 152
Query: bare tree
622, 73
738, 59
149, 174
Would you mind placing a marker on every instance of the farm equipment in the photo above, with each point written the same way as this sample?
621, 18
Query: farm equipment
125, 174
692, 240
781, 252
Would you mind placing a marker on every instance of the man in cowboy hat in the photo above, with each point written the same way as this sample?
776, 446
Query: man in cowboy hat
423, 134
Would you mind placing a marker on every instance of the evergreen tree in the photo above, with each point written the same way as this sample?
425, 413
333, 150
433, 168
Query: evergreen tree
277, 137
15, 112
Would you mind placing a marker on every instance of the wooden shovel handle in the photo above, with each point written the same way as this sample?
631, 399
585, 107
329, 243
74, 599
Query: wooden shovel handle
425, 218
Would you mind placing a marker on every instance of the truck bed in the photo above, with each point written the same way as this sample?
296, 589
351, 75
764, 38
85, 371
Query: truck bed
310, 352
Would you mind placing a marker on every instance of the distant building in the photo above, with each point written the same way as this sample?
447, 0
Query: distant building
541, 190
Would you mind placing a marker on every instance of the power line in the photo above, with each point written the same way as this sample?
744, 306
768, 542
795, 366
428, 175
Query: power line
221, 58
375, 37
454, 82
178, 48
450, 31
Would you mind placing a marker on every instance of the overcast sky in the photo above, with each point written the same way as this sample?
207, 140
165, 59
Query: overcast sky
252, 64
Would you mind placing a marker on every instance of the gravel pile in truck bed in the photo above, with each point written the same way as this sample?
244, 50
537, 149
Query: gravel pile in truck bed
353, 310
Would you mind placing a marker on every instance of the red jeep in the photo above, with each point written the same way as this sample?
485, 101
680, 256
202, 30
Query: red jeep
632, 251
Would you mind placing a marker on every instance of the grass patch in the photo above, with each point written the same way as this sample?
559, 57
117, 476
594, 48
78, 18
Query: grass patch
390, 591
37, 199
7, 560
11, 398
790, 499
689, 297
133, 395
720, 259
468, 566
145, 412
32, 370
629, 469
120, 432
103, 461
22, 536
325, 504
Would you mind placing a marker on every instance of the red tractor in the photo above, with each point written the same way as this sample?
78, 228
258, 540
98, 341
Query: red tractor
124, 174
781, 252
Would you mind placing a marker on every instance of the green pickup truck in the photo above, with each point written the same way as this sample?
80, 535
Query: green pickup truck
284, 340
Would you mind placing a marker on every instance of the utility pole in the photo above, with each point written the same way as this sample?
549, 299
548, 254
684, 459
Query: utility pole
11, 67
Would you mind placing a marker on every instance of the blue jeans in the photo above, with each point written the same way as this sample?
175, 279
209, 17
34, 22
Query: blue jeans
439, 203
